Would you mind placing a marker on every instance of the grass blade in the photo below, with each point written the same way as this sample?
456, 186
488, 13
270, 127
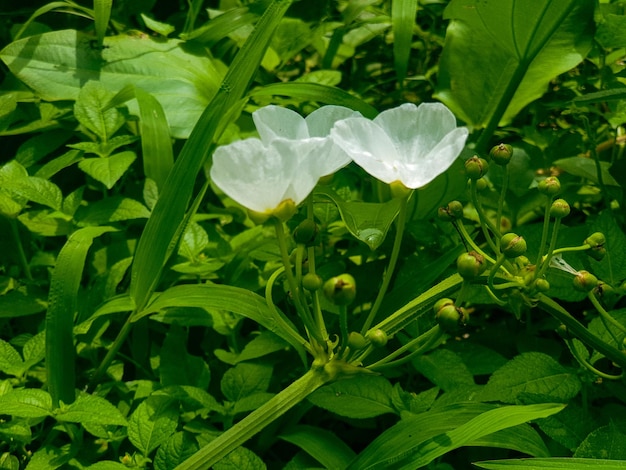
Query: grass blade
402, 22
554, 463
101, 16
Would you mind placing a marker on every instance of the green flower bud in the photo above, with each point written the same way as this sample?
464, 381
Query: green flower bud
476, 167
512, 245
378, 338
312, 282
356, 341
471, 265
597, 243
450, 318
340, 290
564, 332
481, 184
305, 232
541, 285
501, 154
604, 290
584, 281
551, 186
453, 211
559, 209
442, 303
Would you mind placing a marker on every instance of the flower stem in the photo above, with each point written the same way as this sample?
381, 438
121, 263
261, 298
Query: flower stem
318, 317
20, 249
505, 184
544, 233
401, 222
604, 314
472, 243
485, 224
587, 365
546, 259
425, 342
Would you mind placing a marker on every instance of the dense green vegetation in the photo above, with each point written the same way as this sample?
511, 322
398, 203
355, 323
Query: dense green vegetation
230, 239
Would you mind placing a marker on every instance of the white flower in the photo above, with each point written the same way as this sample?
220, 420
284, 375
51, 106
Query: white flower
285, 164
411, 144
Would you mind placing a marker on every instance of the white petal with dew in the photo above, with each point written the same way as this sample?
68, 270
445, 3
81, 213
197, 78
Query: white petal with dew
274, 122
322, 120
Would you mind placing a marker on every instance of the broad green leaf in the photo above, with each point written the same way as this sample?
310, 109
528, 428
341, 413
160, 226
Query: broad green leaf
612, 268
499, 56
107, 465
607, 442
586, 168
367, 221
163, 29
15, 179
228, 298
90, 409
183, 82
325, 446
445, 369
569, 427
47, 223
34, 349
10, 360
363, 396
414, 453
89, 112
192, 397
174, 451
108, 170
51, 168
26, 403
402, 23
316, 92
611, 31
49, 457
152, 423
240, 459
165, 225
251, 402
244, 380
531, 373
62, 305
177, 366
521, 438
16, 430
112, 209
262, 345
23, 301
554, 463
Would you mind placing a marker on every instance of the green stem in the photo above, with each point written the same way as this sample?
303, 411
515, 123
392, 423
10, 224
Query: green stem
397, 242
471, 242
318, 317
426, 341
546, 259
20, 249
544, 233
110, 355
505, 184
580, 331
568, 249
587, 365
343, 324
604, 314
256, 421
485, 224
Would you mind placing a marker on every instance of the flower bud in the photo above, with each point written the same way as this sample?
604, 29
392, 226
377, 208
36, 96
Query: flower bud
551, 186
559, 209
356, 341
340, 290
512, 245
564, 332
471, 265
305, 232
476, 167
312, 282
442, 303
378, 338
541, 285
597, 243
481, 184
584, 281
501, 154
453, 211
450, 318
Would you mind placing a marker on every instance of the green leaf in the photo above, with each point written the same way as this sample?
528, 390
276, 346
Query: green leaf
16, 430
555, 463
586, 168
367, 221
521, 438
569, 427
34, 349
10, 360
262, 345
611, 31
91, 409
499, 56
112, 209
183, 80
362, 396
163, 29
607, 442
326, 447
23, 301
177, 367
240, 459
62, 305
47, 223
406, 446
26, 403
445, 369
88, 110
530, 373
152, 423
402, 23
612, 268
15, 179
101, 16
244, 380
107, 465
108, 170
174, 451
49, 458
193, 397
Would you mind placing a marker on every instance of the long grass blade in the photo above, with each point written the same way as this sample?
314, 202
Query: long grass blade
402, 22
101, 16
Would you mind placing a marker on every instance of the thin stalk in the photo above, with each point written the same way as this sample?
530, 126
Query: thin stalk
390, 267
256, 421
317, 309
471, 242
587, 365
113, 349
20, 249
485, 224
546, 259
426, 341
505, 184
343, 324
604, 314
544, 233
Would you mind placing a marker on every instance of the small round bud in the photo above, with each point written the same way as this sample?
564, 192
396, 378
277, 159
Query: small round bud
312, 282
584, 281
564, 332
305, 232
356, 341
501, 154
442, 303
378, 338
399, 190
559, 209
604, 290
595, 240
481, 184
450, 318
476, 167
541, 285
453, 211
471, 265
340, 290
512, 245
551, 186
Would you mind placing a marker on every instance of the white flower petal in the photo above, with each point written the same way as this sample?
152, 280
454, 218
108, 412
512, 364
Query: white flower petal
305, 171
274, 122
255, 176
322, 120
438, 160
369, 146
